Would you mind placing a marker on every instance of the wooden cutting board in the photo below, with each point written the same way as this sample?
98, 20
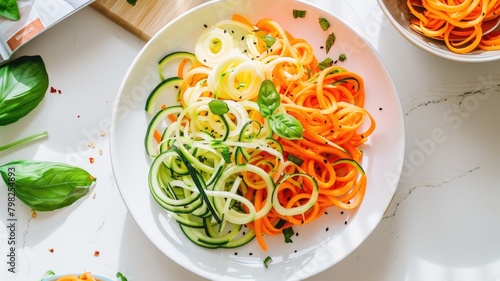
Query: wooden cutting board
147, 16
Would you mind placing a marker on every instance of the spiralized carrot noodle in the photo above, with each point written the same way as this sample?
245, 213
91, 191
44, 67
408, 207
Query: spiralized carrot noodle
457, 22
328, 102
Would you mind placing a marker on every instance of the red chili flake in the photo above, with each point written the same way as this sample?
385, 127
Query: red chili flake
51, 250
91, 159
96, 253
54, 90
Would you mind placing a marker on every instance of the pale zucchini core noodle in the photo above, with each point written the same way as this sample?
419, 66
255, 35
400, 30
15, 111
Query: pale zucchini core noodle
262, 138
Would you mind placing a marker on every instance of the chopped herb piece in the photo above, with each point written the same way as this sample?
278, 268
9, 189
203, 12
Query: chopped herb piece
342, 57
267, 260
295, 159
324, 23
269, 40
325, 63
288, 233
330, 41
132, 2
121, 276
280, 223
299, 14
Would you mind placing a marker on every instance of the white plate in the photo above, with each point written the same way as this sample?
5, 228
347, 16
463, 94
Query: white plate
315, 249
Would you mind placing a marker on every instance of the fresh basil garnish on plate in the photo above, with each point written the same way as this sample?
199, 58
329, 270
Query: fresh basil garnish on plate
282, 123
269, 99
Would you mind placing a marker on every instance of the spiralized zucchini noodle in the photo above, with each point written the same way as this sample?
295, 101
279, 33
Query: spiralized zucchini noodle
262, 137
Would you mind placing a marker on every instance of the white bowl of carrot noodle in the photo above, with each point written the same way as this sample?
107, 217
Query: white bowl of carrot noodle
254, 140
458, 30
85, 276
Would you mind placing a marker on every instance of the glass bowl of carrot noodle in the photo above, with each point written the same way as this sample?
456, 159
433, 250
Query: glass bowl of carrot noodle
457, 30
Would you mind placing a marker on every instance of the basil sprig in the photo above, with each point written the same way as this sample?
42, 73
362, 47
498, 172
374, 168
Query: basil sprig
23, 83
46, 186
282, 123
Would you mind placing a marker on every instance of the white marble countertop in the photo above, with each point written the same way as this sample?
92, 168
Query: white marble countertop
443, 223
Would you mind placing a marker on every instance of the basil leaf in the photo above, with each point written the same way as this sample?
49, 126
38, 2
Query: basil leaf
286, 126
9, 10
46, 186
218, 107
268, 99
267, 261
23, 83
330, 40
288, 233
324, 24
